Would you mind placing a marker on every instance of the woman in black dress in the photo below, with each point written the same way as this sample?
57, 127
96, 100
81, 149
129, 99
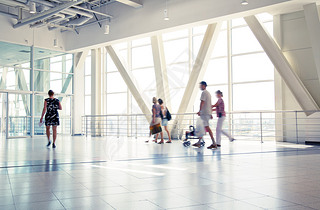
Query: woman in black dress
50, 108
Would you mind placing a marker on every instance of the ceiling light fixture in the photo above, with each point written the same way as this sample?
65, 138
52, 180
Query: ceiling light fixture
32, 8
106, 29
166, 17
244, 2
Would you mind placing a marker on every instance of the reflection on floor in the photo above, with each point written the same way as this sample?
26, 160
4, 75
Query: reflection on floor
101, 173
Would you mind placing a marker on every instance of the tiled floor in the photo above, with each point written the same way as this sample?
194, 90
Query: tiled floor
101, 173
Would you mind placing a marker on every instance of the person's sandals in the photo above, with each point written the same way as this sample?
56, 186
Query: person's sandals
212, 146
161, 142
196, 145
169, 142
152, 141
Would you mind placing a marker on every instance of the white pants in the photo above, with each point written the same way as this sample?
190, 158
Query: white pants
219, 130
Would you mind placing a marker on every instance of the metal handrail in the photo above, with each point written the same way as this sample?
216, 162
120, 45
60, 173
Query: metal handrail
232, 112
288, 124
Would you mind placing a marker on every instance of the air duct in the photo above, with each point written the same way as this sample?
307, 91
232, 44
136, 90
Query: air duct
76, 22
69, 11
38, 25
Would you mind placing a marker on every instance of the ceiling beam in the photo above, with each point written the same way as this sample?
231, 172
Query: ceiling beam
128, 78
132, 3
197, 73
280, 62
46, 14
9, 15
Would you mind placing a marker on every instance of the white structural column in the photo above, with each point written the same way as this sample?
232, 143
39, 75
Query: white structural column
160, 70
311, 14
96, 89
198, 70
131, 84
78, 92
282, 65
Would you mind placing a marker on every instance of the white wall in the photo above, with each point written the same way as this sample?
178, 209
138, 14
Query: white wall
129, 22
40, 37
292, 35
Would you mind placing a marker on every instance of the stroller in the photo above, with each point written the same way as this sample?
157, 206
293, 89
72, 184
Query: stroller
195, 133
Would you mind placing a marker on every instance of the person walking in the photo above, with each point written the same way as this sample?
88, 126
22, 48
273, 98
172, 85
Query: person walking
155, 123
50, 108
205, 113
221, 114
165, 118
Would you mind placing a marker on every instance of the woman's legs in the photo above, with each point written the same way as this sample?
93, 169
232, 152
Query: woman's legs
219, 129
161, 135
166, 129
54, 129
48, 132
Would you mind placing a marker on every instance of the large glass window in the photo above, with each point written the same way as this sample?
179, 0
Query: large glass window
51, 70
238, 67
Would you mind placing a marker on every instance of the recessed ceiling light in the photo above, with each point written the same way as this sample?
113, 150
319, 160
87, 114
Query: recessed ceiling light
244, 2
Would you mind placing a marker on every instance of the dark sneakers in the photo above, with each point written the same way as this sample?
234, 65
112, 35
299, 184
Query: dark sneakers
49, 143
53, 145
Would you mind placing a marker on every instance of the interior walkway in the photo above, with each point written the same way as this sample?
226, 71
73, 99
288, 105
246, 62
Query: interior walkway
100, 173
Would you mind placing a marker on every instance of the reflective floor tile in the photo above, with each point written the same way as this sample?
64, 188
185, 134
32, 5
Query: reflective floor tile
268, 202
238, 205
6, 200
47, 205
136, 205
72, 194
173, 202
32, 198
88, 202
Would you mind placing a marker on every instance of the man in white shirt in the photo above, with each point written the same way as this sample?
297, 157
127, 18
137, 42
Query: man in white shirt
205, 113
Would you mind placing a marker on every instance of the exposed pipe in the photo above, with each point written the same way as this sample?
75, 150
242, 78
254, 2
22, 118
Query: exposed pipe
90, 10
13, 3
55, 26
46, 14
38, 25
9, 15
77, 21
19, 13
94, 22
69, 11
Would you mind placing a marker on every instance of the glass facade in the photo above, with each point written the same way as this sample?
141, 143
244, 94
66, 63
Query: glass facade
240, 69
25, 84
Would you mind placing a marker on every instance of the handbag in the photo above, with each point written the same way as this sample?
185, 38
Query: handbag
155, 129
169, 117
